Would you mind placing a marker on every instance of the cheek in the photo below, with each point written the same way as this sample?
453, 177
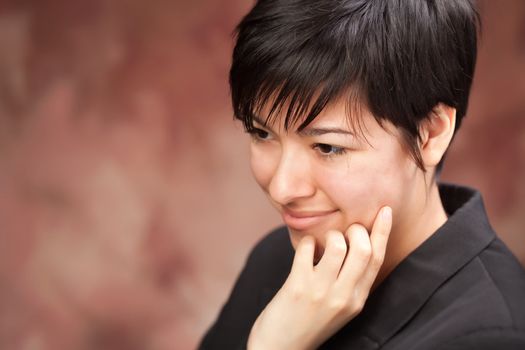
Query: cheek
361, 189
355, 194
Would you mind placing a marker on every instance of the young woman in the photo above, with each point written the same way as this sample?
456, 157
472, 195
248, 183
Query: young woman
351, 106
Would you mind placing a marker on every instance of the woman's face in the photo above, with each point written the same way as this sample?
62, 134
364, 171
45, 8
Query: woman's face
325, 177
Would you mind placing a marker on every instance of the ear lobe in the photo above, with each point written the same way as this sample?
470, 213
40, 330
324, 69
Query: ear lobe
436, 133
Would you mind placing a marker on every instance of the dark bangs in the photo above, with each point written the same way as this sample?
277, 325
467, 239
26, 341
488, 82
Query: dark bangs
281, 61
398, 58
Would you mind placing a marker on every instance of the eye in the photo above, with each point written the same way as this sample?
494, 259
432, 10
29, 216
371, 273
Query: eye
259, 134
328, 150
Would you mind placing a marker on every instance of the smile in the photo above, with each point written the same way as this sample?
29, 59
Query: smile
302, 220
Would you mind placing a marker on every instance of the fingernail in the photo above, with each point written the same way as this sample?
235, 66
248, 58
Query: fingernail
387, 213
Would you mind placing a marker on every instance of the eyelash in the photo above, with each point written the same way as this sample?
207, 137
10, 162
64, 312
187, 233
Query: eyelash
260, 135
255, 134
335, 151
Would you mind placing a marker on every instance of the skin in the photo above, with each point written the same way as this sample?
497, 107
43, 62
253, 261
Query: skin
343, 198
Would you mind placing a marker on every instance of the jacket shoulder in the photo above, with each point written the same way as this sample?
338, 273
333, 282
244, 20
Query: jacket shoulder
489, 312
488, 339
508, 278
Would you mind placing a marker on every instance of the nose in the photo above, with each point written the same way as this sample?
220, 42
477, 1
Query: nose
292, 178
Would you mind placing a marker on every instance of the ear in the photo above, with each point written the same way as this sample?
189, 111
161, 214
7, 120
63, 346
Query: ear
436, 133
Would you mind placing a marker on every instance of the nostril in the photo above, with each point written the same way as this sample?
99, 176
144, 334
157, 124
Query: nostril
285, 189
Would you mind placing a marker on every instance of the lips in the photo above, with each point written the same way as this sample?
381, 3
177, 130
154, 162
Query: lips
302, 220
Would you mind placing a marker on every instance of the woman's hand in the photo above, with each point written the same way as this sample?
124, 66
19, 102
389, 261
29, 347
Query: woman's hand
316, 301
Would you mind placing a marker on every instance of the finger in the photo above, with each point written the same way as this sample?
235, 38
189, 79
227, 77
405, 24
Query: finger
304, 256
378, 240
333, 257
358, 256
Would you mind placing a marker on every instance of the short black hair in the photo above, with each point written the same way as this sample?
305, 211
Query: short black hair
399, 58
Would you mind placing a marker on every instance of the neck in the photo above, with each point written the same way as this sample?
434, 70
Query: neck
426, 217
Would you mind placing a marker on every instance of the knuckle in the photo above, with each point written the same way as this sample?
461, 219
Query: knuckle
359, 306
357, 234
355, 229
306, 241
336, 243
363, 253
356, 305
334, 236
339, 249
317, 298
297, 293
366, 250
338, 305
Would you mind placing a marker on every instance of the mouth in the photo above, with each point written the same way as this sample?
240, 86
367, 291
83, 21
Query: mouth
303, 220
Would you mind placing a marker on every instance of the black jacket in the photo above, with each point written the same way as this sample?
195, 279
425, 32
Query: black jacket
461, 289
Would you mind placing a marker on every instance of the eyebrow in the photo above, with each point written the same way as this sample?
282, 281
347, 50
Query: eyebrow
322, 131
258, 120
310, 132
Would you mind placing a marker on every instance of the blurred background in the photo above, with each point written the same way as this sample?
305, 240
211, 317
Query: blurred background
127, 206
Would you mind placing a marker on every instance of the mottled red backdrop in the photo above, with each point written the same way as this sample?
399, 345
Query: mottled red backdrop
126, 202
